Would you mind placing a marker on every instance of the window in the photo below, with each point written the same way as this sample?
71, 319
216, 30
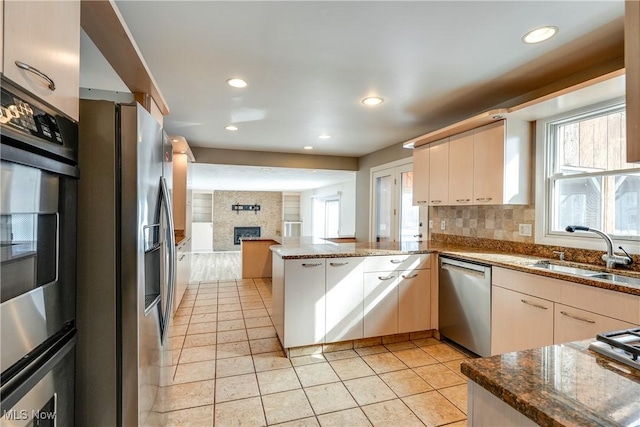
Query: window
326, 216
586, 179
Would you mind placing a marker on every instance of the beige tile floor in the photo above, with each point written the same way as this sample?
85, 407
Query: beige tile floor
231, 371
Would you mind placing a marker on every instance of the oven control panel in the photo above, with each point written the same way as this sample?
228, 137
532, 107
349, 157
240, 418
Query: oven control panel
22, 116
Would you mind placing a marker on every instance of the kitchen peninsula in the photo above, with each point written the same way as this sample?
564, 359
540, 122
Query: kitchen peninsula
559, 385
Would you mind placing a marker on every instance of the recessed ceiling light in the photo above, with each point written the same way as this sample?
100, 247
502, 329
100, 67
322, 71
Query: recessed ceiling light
183, 152
539, 34
231, 127
235, 82
372, 100
324, 136
308, 147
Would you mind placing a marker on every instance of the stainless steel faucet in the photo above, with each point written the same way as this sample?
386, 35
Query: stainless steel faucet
610, 258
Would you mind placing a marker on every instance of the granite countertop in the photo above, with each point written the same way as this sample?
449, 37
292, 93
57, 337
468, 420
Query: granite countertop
308, 247
562, 385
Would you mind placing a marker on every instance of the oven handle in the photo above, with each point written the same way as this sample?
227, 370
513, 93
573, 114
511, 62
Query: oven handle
21, 384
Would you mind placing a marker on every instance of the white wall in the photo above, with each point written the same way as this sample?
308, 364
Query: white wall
347, 206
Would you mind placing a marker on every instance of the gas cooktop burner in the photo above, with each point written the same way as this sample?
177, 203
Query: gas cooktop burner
623, 346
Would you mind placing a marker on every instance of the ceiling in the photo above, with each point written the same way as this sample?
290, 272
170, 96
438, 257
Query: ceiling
309, 64
209, 177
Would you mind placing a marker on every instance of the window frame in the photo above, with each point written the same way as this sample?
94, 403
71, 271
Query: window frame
544, 181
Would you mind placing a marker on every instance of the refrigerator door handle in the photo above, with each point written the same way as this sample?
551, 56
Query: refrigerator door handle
165, 206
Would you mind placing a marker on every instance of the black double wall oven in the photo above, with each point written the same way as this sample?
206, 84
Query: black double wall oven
38, 204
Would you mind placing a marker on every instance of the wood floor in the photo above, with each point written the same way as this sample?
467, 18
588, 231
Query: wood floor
207, 266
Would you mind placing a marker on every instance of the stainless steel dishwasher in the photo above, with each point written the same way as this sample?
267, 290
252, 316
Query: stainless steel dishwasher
464, 304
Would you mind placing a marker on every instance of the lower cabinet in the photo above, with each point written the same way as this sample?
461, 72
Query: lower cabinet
304, 302
380, 303
519, 321
573, 324
414, 301
324, 300
183, 271
344, 299
530, 311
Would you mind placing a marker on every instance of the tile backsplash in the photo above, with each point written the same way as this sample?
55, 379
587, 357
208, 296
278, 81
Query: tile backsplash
490, 222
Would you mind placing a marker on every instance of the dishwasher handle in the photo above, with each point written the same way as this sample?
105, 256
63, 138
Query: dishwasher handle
462, 267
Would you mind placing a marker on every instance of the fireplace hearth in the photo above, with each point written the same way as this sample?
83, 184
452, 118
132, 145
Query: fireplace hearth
242, 232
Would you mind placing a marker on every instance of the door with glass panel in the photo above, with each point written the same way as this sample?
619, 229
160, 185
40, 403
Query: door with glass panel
394, 218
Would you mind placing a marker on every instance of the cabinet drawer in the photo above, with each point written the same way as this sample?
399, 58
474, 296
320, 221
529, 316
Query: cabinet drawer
572, 324
396, 262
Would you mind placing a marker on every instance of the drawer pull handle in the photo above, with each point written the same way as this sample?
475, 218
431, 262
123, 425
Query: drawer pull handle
405, 276
386, 278
463, 200
338, 264
27, 67
397, 261
311, 265
484, 199
582, 319
182, 257
421, 202
534, 304
436, 201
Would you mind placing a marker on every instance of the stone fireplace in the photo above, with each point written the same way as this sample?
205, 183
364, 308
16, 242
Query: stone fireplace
241, 232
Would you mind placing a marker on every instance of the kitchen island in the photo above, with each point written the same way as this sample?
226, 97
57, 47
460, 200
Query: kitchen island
559, 385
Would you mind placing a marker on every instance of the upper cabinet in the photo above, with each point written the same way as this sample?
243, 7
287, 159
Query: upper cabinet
41, 51
421, 175
501, 163
439, 173
461, 169
489, 165
632, 65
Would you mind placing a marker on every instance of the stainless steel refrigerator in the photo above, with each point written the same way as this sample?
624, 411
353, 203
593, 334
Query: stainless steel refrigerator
126, 259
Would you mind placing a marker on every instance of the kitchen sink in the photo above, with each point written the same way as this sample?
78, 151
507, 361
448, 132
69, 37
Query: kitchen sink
592, 274
546, 265
616, 278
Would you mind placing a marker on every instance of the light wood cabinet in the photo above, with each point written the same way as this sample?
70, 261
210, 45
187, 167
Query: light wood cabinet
45, 35
2, 37
572, 324
439, 173
304, 302
344, 299
183, 271
461, 163
380, 303
553, 311
421, 175
414, 301
501, 163
519, 321
325, 300
489, 165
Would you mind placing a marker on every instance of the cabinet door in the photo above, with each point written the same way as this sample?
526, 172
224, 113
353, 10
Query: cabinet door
414, 302
421, 175
344, 289
572, 324
304, 302
461, 169
439, 173
488, 164
380, 303
46, 36
519, 321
